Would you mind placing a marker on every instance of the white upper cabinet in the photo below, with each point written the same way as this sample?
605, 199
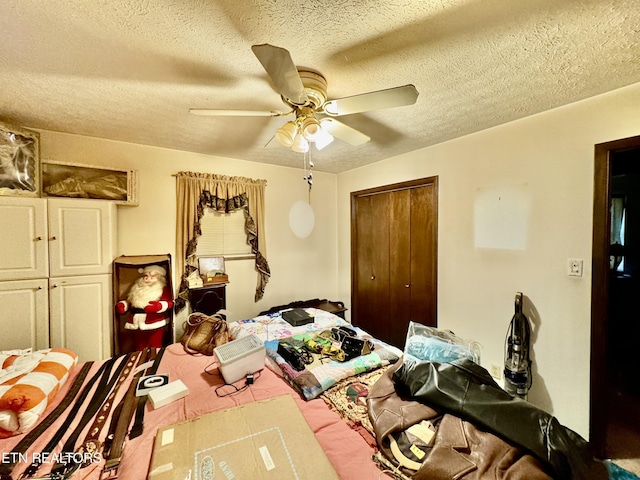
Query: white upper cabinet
56, 237
23, 238
82, 237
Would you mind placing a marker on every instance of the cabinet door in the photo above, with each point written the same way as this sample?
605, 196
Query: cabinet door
81, 236
80, 315
24, 314
208, 300
23, 245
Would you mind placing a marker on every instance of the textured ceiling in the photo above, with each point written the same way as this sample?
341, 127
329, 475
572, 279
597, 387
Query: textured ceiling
130, 70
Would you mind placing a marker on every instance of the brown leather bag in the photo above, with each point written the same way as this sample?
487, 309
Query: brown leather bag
204, 332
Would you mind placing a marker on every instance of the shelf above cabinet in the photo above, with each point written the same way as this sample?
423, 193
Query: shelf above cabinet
70, 180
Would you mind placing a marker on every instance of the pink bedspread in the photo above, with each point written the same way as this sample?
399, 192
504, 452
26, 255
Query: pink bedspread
346, 449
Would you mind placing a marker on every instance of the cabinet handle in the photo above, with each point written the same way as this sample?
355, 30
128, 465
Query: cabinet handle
37, 239
52, 238
373, 277
406, 285
54, 286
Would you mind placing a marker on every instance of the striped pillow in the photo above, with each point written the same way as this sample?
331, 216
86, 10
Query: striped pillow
28, 383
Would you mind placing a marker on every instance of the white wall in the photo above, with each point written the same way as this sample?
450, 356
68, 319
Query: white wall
547, 159
300, 268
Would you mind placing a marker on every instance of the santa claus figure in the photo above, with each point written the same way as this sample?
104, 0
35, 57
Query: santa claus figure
148, 301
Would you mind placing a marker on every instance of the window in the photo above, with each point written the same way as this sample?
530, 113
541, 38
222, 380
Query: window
223, 234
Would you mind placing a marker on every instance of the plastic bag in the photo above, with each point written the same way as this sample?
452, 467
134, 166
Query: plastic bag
442, 346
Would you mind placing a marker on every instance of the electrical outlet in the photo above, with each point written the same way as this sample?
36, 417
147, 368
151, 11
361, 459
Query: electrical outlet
496, 371
574, 267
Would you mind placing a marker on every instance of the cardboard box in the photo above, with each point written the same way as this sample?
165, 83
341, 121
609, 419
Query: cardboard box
126, 270
161, 396
269, 439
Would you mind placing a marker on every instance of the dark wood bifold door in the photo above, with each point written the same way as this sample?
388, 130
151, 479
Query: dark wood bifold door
394, 232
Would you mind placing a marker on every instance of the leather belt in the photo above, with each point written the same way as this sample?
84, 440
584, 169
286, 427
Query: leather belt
138, 426
6, 468
120, 423
100, 392
91, 444
102, 400
33, 468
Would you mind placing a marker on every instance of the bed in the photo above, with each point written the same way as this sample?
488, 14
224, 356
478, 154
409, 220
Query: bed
347, 446
344, 404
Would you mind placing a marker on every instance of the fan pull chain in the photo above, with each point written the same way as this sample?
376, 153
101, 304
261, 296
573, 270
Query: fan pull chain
308, 174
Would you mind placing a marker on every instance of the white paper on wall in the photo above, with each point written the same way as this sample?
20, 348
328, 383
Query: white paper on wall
502, 217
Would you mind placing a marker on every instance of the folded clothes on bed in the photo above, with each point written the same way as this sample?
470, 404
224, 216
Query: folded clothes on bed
28, 383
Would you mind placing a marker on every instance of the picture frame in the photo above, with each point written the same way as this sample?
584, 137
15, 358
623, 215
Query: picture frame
19, 161
73, 180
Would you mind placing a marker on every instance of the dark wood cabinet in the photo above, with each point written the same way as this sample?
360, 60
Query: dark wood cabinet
394, 258
208, 299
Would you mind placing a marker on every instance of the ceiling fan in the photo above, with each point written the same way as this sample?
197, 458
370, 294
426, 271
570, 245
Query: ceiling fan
304, 91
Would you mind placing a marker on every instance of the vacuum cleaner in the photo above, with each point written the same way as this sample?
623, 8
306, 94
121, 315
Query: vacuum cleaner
517, 364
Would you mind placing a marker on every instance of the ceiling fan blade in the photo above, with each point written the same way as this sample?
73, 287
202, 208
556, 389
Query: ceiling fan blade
391, 97
273, 143
344, 132
283, 72
236, 113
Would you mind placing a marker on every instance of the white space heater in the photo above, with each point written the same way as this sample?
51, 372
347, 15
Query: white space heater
240, 357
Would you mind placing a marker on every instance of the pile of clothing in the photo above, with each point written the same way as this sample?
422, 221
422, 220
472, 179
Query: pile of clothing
445, 420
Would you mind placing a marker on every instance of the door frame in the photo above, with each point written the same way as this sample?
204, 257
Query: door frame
600, 286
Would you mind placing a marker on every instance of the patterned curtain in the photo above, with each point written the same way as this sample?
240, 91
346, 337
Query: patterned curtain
197, 191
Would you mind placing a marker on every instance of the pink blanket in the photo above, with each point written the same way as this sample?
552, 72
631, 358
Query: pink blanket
346, 449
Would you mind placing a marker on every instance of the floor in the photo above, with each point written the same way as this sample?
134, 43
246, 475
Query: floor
623, 430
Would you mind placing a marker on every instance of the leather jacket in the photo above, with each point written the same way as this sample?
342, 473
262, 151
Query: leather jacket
466, 389
460, 450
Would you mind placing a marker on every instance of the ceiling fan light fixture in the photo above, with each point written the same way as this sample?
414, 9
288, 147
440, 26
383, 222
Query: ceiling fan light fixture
311, 128
287, 133
300, 144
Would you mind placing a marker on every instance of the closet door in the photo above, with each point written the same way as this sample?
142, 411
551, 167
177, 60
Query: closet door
394, 258
23, 234
371, 266
399, 258
24, 314
81, 236
424, 254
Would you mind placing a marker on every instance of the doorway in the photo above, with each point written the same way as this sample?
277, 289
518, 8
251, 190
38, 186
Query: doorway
615, 327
